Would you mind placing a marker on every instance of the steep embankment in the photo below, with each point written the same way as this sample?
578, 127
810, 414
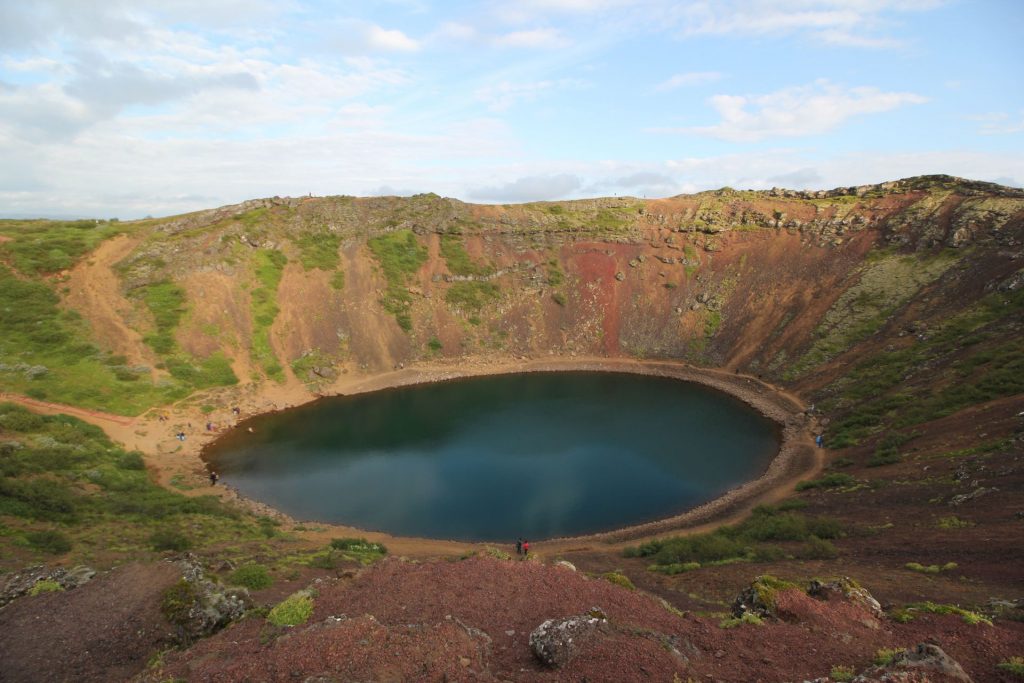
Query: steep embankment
894, 312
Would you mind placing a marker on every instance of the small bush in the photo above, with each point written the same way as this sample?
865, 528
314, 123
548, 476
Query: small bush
619, 580
252, 576
834, 480
930, 569
498, 554
953, 522
358, 545
46, 586
177, 602
972, 618
293, 610
675, 568
52, 542
885, 655
748, 618
169, 539
841, 673
1013, 665
819, 549
131, 460
435, 344
558, 298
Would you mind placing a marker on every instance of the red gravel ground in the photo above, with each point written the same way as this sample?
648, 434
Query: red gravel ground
471, 621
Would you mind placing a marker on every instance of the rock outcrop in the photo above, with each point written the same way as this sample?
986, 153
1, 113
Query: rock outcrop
557, 641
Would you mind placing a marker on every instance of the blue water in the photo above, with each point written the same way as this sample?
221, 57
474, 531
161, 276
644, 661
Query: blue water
538, 455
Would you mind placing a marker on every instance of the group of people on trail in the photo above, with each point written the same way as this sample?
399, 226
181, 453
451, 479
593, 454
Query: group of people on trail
180, 436
523, 548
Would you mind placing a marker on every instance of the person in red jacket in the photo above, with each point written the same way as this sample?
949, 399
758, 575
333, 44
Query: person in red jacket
526, 549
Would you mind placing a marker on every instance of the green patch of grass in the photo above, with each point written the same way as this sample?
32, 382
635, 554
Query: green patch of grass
400, 255
884, 286
49, 541
292, 611
819, 549
472, 295
458, 259
252, 576
305, 366
930, 569
269, 267
68, 472
618, 579
748, 619
953, 522
558, 298
1013, 665
747, 541
841, 673
969, 617
435, 344
169, 539
166, 302
359, 549
318, 250
45, 353
40, 246
497, 554
45, 586
829, 481
338, 280
885, 655
555, 275
674, 568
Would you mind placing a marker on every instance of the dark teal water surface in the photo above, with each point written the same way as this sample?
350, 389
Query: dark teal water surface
537, 455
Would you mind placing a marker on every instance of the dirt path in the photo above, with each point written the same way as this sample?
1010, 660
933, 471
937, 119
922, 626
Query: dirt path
95, 292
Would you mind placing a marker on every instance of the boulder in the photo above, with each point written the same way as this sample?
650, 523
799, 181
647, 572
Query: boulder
925, 663
20, 583
557, 641
847, 589
198, 607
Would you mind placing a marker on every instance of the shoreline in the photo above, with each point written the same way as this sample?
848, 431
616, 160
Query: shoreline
180, 466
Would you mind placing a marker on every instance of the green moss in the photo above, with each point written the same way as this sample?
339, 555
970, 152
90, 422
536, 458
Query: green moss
318, 249
969, 617
42, 246
472, 295
618, 579
748, 619
166, 302
269, 267
45, 586
1013, 665
842, 674
292, 611
829, 481
252, 576
459, 261
400, 255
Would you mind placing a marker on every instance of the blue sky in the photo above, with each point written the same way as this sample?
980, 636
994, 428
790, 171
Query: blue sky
152, 107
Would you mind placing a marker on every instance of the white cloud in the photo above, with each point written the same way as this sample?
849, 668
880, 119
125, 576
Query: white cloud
687, 79
795, 111
539, 38
529, 188
504, 95
390, 40
1000, 123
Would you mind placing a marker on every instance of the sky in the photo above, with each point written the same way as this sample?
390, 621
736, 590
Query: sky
128, 108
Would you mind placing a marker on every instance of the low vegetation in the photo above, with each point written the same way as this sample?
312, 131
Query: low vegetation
293, 610
65, 488
269, 267
400, 255
458, 259
252, 576
472, 295
38, 247
748, 541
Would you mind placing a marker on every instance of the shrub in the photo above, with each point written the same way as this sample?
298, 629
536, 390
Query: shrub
953, 522
252, 576
930, 569
358, 545
558, 298
841, 673
619, 580
972, 618
293, 610
177, 601
834, 480
885, 655
675, 568
131, 461
435, 344
748, 618
1013, 665
169, 539
53, 542
819, 549
46, 586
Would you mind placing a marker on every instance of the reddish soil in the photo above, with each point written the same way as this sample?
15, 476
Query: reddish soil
470, 620
103, 631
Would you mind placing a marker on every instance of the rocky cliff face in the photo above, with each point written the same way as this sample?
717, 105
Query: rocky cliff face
821, 291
